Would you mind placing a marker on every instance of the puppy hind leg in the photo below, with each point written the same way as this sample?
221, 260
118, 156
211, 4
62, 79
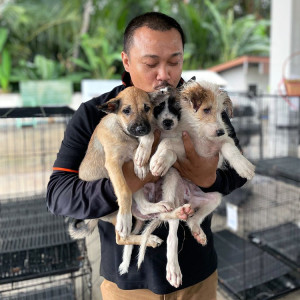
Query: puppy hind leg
174, 275
123, 193
146, 207
127, 251
206, 207
145, 236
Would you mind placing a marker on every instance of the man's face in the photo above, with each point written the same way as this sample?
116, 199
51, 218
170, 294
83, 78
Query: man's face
155, 59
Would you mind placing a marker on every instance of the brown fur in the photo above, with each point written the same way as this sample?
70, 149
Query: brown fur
115, 141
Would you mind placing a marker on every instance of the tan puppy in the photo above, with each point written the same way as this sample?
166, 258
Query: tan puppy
124, 134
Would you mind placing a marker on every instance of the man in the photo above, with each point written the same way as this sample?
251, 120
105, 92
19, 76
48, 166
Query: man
152, 58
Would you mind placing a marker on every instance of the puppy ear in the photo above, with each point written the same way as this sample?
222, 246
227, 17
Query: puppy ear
195, 94
192, 79
228, 107
157, 96
111, 106
153, 96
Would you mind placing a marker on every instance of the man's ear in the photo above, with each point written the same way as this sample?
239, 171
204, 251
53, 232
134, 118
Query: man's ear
112, 106
125, 60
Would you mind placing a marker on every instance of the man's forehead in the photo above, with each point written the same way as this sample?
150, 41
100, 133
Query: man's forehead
145, 34
154, 56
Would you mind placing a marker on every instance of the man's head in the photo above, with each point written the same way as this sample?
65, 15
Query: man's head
153, 51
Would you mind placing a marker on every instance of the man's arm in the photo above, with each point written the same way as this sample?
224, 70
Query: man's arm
68, 195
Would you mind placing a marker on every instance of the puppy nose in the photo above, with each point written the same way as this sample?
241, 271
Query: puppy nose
141, 130
167, 123
220, 132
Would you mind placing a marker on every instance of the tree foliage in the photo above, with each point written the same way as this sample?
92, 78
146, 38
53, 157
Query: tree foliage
85, 37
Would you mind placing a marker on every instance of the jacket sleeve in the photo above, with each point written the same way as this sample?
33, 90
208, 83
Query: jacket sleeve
68, 195
227, 179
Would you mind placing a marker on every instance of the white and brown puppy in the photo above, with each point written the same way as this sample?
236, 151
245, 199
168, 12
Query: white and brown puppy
124, 134
201, 116
167, 114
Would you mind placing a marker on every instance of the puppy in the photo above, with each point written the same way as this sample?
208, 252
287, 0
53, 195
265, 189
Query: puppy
167, 115
125, 133
201, 115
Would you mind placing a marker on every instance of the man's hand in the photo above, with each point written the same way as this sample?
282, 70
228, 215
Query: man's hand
200, 170
132, 180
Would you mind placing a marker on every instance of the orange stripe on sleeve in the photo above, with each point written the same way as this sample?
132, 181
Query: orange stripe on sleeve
63, 169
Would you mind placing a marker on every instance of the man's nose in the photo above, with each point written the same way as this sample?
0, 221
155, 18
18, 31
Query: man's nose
163, 74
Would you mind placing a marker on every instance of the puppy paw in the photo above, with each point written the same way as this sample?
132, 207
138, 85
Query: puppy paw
154, 241
174, 275
244, 168
123, 268
200, 237
141, 171
197, 232
184, 212
159, 165
124, 224
142, 156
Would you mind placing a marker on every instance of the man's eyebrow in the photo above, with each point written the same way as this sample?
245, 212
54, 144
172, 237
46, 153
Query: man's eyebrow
156, 56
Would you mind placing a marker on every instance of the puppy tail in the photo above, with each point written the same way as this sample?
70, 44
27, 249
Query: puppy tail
80, 229
145, 236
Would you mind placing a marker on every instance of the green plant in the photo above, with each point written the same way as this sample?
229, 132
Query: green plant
5, 61
236, 37
99, 56
43, 68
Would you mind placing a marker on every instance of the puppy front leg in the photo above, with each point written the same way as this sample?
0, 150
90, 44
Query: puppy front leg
163, 158
124, 196
174, 275
238, 161
143, 151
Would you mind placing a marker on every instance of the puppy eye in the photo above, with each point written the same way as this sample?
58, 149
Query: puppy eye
126, 110
146, 108
207, 110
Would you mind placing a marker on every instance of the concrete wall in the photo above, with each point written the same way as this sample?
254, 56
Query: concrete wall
239, 78
235, 79
285, 40
258, 77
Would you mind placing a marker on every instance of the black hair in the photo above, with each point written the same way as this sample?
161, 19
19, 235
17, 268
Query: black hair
153, 20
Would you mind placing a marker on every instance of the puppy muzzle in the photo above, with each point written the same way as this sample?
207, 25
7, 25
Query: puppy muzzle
139, 129
168, 124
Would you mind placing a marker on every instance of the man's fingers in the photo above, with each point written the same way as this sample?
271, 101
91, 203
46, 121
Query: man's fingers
189, 147
176, 165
